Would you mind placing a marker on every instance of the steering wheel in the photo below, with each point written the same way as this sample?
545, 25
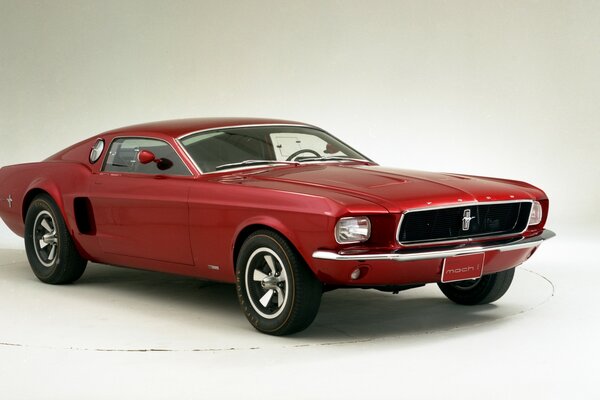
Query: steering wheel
297, 153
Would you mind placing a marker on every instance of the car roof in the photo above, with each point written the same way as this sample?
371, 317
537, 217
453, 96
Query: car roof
179, 127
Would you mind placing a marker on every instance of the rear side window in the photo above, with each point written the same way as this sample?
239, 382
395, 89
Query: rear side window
96, 151
123, 157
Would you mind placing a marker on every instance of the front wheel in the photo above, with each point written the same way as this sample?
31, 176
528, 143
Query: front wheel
277, 291
484, 290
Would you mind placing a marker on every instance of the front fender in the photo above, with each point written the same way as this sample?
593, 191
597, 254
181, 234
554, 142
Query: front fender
305, 232
268, 222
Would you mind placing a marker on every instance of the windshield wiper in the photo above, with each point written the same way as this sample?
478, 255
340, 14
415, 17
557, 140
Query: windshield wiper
252, 162
331, 158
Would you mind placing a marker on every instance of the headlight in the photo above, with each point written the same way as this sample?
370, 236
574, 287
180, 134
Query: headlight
352, 230
536, 213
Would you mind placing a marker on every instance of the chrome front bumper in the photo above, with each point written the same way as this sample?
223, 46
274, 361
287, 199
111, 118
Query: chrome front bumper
428, 254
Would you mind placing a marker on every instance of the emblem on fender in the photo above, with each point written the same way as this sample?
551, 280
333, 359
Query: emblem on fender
466, 221
9, 200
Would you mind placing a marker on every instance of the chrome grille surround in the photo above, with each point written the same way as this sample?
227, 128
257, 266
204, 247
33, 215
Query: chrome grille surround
455, 240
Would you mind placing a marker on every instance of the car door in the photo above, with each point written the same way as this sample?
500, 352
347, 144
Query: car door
141, 210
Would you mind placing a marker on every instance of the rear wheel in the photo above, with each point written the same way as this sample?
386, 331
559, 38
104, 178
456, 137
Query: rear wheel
277, 291
50, 249
484, 290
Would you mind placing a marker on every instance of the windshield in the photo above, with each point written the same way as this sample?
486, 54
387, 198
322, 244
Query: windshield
264, 145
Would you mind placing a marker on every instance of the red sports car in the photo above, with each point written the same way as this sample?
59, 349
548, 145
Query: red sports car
282, 209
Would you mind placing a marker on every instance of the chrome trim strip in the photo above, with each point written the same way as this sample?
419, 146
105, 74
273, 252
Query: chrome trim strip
258, 166
464, 240
467, 203
188, 157
414, 255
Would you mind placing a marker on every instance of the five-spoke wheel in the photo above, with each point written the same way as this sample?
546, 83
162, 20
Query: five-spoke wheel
51, 252
45, 238
277, 291
266, 282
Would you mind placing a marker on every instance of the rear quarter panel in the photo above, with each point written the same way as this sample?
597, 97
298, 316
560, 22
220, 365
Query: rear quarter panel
62, 180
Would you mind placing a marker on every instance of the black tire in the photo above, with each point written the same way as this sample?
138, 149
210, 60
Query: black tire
51, 252
484, 290
277, 291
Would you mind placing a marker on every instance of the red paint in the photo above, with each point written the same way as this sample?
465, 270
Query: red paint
146, 157
184, 224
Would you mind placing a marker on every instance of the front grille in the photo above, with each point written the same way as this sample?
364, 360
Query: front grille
461, 222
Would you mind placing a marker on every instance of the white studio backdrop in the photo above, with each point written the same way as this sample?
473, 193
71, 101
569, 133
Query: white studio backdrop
496, 88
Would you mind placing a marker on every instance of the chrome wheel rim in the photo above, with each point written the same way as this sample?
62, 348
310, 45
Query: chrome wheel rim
267, 284
45, 238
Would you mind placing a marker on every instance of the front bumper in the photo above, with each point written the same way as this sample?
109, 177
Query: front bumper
430, 254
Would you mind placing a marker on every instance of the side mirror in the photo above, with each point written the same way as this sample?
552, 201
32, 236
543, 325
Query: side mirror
146, 157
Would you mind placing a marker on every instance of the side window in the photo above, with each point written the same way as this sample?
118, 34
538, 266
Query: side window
123, 157
96, 151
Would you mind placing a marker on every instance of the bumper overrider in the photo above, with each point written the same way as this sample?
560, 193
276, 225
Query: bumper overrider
439, 253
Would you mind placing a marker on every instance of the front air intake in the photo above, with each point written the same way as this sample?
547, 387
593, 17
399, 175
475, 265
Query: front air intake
463, 222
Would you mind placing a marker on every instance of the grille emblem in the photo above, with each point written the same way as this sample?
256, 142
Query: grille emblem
466, 220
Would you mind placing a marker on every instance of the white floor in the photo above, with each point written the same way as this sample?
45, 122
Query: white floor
130, 334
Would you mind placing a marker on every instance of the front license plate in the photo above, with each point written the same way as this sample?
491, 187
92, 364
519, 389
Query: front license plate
460, 268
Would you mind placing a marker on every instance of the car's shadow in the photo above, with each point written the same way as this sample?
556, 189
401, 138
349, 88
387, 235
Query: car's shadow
345, 315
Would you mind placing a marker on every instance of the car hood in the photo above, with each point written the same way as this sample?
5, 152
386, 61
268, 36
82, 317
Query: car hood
394, 189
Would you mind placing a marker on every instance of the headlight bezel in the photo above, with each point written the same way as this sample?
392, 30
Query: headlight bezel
344, 225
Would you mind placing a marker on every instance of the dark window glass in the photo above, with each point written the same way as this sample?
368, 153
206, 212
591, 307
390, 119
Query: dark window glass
122, 157
227, 148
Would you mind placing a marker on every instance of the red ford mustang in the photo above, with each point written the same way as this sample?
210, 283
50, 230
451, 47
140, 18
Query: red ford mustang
282, 209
